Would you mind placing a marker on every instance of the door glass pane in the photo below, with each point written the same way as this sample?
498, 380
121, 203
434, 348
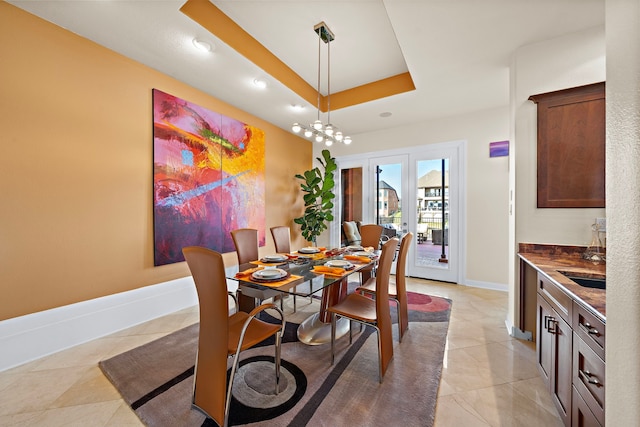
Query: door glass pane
432, 213
388, 203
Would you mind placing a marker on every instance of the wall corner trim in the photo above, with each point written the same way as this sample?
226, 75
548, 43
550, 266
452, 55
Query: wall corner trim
30, 337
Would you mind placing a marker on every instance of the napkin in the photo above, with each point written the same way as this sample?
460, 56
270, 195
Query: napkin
336, 271
358, 258
246, 273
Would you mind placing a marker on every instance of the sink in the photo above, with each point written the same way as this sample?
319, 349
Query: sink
587, 282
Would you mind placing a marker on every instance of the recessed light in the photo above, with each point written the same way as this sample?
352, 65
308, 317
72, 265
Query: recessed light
297, 108
385, 114
202, 45
259, 83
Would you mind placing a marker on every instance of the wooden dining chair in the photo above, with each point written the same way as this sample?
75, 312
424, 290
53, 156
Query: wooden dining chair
397, 287
370, 235
282, 241
370, 238
222, 336
246, 243
367, 311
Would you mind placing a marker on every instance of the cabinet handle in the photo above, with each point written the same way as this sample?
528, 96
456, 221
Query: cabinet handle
550, 324
589, 377
588, 329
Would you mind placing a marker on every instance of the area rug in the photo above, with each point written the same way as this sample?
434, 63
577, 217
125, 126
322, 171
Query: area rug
156, 379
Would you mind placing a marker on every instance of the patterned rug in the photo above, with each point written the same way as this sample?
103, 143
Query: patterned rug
156, 379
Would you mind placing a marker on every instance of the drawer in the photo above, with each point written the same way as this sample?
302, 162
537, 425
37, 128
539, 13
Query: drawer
589, 376
561, 302
590, 328
581, 414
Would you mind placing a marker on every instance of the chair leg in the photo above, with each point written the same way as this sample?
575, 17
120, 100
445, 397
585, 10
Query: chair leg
399, 320
227, 406
333, 335
278, 352
350, 334
379, 353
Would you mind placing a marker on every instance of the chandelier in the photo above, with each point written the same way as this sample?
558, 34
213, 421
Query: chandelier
318, 131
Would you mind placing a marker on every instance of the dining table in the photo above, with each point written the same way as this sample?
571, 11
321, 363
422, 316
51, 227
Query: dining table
304, 273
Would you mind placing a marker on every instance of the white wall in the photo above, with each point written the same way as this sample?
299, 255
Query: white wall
573, 60
622, 392
487, 181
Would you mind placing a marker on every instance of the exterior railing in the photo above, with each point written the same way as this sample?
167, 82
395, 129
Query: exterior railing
428, 220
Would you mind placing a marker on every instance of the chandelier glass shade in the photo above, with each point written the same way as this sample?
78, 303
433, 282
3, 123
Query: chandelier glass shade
319, 131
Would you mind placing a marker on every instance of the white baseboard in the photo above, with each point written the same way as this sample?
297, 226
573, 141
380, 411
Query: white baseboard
487, 285
30, 337
517, 332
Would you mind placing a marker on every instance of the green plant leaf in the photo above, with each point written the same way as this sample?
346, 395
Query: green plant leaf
318, 186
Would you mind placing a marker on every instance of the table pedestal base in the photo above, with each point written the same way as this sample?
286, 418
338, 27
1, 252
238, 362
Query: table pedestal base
313, 331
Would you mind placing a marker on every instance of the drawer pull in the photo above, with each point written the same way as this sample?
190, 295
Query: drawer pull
590, 378
588, 329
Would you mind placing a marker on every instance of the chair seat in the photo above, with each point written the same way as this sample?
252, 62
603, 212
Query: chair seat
356, 307
369, 287
257, 331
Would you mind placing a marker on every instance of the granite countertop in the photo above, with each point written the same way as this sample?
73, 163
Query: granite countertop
552, 259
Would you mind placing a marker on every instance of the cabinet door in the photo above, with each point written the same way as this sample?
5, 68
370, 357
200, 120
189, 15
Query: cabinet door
544, 341
571, 147
563, 357
554, 357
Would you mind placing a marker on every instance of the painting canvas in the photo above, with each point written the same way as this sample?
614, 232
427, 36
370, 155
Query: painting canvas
208, 176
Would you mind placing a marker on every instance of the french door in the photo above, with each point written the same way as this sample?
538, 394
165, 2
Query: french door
420, 191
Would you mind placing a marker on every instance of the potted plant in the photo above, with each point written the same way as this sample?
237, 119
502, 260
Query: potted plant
317, 185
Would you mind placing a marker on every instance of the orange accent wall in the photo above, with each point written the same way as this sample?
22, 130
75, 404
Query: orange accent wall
76, 184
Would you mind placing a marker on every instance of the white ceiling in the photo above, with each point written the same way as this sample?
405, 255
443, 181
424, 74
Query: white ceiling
457, 51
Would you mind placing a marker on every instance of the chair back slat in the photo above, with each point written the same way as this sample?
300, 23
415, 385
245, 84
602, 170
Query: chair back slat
281, 239
383, 313
246, 243
207, 269
371, 234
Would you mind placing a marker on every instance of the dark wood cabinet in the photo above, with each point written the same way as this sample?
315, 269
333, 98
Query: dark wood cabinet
589, 362
570, 352
571, 147
554, 353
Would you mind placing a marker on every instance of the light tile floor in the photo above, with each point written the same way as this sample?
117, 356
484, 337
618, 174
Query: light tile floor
488, 378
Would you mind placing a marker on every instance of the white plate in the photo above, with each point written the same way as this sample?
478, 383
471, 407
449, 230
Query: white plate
309, 250
339, 263
363, 253
274, 258
354, 248
268, 274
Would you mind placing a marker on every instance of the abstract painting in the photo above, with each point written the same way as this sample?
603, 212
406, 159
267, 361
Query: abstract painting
499, 149
208, 178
